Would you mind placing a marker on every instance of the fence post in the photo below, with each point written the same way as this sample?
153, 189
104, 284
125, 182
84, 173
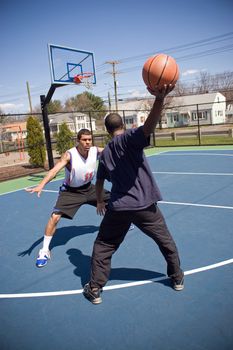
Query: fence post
230, 133
154, 139
93, 141
124, 117
198, 126
173, 134
47, 131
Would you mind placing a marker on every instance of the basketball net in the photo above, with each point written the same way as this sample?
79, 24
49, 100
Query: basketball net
84, 79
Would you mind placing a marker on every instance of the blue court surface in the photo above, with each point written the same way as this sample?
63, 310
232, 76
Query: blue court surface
45, 309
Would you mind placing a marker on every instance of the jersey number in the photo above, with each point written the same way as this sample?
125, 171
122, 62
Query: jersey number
88, 176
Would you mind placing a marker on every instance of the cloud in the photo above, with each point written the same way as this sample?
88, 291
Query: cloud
190, 72
10, 107
137, 93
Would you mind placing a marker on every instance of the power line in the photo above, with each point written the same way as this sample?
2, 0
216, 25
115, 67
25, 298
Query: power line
176, 49
202, 42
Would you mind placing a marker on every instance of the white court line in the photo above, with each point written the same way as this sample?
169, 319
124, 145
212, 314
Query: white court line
52, 191
194, 154
190, 173
198, 205
178, 203
117, 286
162, 153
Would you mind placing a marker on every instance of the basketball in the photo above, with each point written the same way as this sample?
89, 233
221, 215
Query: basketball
159, 70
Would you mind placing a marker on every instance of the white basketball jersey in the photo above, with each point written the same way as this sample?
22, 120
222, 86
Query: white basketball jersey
82, 170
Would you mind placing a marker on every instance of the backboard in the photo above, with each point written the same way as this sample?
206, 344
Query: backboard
67, 63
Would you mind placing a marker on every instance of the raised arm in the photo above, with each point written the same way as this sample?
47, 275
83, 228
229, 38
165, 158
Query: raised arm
155, 113
51, 174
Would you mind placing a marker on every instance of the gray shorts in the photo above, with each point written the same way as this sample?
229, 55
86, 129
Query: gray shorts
71, 199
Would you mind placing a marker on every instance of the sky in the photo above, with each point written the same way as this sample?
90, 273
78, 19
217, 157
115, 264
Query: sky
198, 34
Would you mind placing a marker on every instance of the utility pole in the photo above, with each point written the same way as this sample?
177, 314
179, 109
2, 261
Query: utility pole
29, 97
113, 63
109, 101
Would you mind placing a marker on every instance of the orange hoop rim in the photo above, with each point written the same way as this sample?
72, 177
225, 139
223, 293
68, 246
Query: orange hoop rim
79, 77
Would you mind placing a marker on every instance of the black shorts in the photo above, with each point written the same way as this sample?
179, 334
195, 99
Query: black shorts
71, 199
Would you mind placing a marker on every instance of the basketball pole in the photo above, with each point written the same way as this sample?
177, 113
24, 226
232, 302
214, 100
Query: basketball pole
44, 101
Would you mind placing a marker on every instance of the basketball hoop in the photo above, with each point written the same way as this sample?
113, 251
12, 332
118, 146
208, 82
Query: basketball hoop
85, 79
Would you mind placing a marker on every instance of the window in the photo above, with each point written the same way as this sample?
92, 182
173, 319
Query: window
81, 126
194, 115
203, 115
80, 117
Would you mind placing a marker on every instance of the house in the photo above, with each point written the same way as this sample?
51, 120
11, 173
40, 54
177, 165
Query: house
184, 110
229, 113
179, 111
14, 131
134, 112
74, 120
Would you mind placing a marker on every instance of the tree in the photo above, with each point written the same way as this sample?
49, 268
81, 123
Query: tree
54, 106
86, 102
35, 142
64, 139
182, 89
216, 82
2, 116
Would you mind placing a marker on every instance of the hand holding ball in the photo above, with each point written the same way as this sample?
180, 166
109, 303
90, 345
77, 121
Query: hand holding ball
160, 70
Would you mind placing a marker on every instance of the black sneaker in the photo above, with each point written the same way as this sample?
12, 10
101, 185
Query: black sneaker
178, 285
93, 295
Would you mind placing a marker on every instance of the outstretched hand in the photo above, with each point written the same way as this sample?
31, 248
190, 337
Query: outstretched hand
161, 92
37, 189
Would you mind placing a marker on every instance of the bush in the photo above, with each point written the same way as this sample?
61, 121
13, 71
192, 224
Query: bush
35, 142
64, 139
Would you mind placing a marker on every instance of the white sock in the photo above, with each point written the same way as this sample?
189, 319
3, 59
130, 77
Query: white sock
46, 242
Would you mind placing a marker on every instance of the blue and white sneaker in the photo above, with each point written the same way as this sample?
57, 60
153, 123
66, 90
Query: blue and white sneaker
131, 227
42, 258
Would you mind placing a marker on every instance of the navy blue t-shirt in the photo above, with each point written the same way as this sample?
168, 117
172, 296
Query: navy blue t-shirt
124, 164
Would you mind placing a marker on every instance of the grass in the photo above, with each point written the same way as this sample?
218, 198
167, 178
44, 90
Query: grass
194, 141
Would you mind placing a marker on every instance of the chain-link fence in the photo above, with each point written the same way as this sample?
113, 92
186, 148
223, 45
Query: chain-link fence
184, 125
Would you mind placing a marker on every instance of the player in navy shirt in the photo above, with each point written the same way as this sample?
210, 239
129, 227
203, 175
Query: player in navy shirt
134, 197
124, 164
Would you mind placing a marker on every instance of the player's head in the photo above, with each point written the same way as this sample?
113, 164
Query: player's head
84, 138
83, 132
113, 122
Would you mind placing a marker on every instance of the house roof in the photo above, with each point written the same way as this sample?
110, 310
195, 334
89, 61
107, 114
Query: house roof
14, 127
144, 104
204, 100
133, 105
59, 118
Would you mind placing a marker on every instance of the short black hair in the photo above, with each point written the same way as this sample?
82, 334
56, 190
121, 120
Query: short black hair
113, 121
83, 132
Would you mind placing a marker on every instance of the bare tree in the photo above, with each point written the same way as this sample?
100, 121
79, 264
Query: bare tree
222, 82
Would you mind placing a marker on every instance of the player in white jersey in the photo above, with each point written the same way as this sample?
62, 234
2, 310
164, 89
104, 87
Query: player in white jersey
80, 166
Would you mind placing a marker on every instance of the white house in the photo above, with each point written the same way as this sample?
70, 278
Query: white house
74, 120
134, 112
184, 110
